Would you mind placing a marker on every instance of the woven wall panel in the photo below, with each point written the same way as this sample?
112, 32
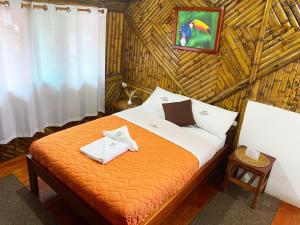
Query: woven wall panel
283, 35
256, 60
233, 102
141, 66
114, 42
281, 88
112, 92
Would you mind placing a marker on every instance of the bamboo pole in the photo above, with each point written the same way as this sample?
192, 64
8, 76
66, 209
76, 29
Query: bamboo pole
261, 73
108, 42
253, 89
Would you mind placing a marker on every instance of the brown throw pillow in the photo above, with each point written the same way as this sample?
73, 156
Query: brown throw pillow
179, 113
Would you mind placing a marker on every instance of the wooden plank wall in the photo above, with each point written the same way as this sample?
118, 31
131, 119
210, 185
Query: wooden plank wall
258, 59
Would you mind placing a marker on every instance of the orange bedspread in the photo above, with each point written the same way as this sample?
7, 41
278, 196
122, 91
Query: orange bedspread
130, 187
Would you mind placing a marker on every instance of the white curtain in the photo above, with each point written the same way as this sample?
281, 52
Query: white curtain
52, 67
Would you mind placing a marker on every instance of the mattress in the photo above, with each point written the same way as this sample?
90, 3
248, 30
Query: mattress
139, 115
129, 188
202, 147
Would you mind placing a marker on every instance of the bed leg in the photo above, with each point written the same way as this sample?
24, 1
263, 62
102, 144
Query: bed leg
33, 178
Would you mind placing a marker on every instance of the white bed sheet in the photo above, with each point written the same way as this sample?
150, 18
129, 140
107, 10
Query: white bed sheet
203, 146
218, 142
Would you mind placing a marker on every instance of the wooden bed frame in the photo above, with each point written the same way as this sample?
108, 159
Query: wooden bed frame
35, 169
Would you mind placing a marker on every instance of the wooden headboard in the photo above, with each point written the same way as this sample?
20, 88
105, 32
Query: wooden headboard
231, 135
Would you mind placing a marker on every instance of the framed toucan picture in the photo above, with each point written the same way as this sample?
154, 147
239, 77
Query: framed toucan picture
197, 29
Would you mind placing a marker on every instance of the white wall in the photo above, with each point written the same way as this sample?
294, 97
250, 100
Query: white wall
276, 132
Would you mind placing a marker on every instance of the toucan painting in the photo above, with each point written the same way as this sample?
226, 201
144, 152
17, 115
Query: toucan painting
197, 28
187, 28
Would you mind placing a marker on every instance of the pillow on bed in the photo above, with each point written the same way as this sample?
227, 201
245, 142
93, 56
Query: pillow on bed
212, 118
158, 97
179, 113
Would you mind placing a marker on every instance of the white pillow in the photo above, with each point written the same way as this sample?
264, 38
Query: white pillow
212, 118
158, 97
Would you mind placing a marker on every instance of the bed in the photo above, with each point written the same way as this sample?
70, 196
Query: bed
141, 187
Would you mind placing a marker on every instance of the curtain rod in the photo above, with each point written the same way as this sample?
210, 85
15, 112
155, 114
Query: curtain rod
44, 7
84, 10
59, 8
5, 3
25, 4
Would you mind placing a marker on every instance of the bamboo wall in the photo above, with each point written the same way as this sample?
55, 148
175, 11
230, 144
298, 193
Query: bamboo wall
114, 64
114, 42
258, 59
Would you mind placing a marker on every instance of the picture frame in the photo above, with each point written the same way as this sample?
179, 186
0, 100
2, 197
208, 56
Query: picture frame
197, 29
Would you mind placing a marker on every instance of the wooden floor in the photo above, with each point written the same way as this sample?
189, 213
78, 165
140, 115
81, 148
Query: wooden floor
183, 215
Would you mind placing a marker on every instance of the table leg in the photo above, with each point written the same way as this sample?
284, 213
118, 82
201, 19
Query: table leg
263, 190
227, 175
33, 178
266, 179
258, 190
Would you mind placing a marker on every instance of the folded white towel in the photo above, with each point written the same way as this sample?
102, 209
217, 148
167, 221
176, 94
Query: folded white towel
104, 149
122, 134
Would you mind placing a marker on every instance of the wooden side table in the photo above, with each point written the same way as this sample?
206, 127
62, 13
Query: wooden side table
262, 173
122, 105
